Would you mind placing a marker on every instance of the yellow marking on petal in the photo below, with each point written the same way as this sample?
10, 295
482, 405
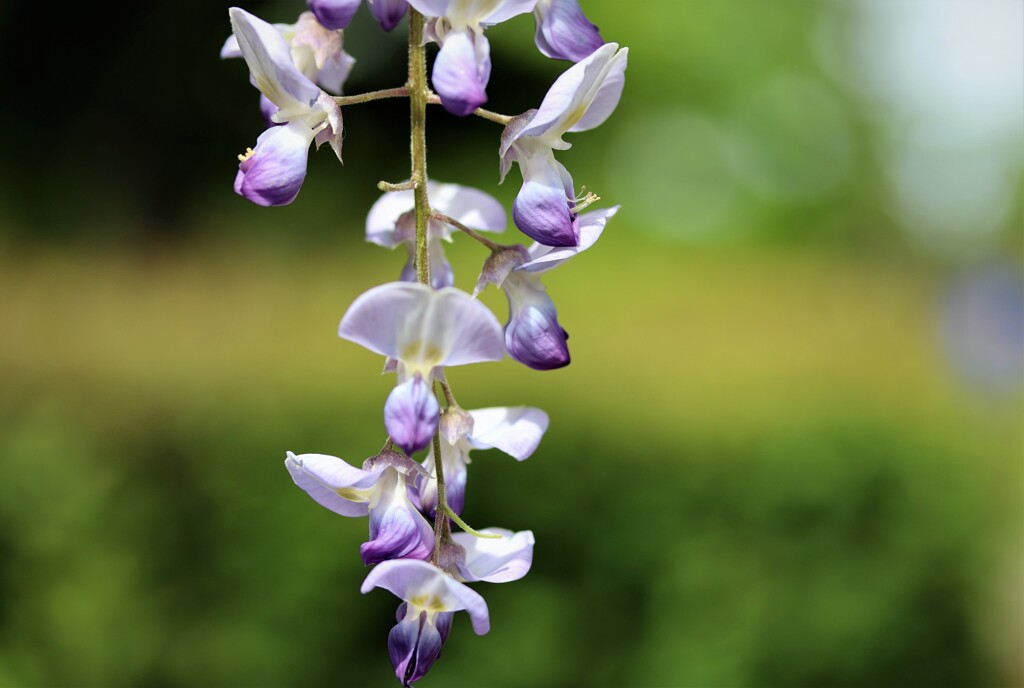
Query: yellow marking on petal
421, 356
576, 116
246, 155
428, 603
353, 495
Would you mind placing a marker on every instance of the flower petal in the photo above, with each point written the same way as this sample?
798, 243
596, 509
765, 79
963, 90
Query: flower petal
533, 336
267, 111
334, 14
470, 206
461, 71
496, 560
411, 414
431, 8
270, 63
564, 32
273, 173
425, 585
332, 483
415, 644
542, 209
423, 328
388, 12
397, 529
506, 9
515, 430
607, 98
568, 99
544, 258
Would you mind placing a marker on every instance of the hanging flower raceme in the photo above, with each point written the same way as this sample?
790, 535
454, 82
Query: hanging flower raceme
463, 65
380, 489
392, 223
533, 335
514, 430
273, 172
563, 31
580, 99
430, 596
422, 331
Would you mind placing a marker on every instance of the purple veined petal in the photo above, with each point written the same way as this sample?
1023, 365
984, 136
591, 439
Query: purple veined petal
332, 483
427, 587
533, 336
496, 560
423, 328
334, 14
272, 173
564, 32
397, 529
544, 258
461, 71
313, 44
607, 98
270, 63
470, 206
267, 111
388, 12
431, 8
415, 644
542, 209
515, 430
506, 9
411, 414
568, 99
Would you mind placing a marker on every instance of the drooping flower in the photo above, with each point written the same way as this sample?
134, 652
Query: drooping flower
422, 330
380, 490
273, 172
514, 430
533, 335
429, 599
463, 65
431, 596
580, 99
563, 31
392, 222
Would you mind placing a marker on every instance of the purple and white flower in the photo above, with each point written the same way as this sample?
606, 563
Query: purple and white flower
392, 223
582, 98
273, 172
533, 335
563, 31
514, 430
380, 490
463, 65
430, 596
429, 599
422, 330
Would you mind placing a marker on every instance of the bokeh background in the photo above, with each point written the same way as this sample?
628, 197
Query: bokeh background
788, 451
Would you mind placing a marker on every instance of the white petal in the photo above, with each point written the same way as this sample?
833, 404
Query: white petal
607, 97
326, 478
270, 62
545, 258
570, 96
471, 207
427, 587
384, 214
496, 560
515, 430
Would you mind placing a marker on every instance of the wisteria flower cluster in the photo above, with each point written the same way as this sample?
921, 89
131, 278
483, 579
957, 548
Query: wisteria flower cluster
421, 323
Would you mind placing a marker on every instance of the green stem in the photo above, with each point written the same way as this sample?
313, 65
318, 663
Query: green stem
471, 232
400, 92
472, 531
418, 93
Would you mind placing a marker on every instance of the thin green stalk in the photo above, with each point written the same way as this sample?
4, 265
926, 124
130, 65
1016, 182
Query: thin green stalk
418, 93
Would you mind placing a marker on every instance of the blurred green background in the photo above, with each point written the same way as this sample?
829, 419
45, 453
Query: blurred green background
788, 451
